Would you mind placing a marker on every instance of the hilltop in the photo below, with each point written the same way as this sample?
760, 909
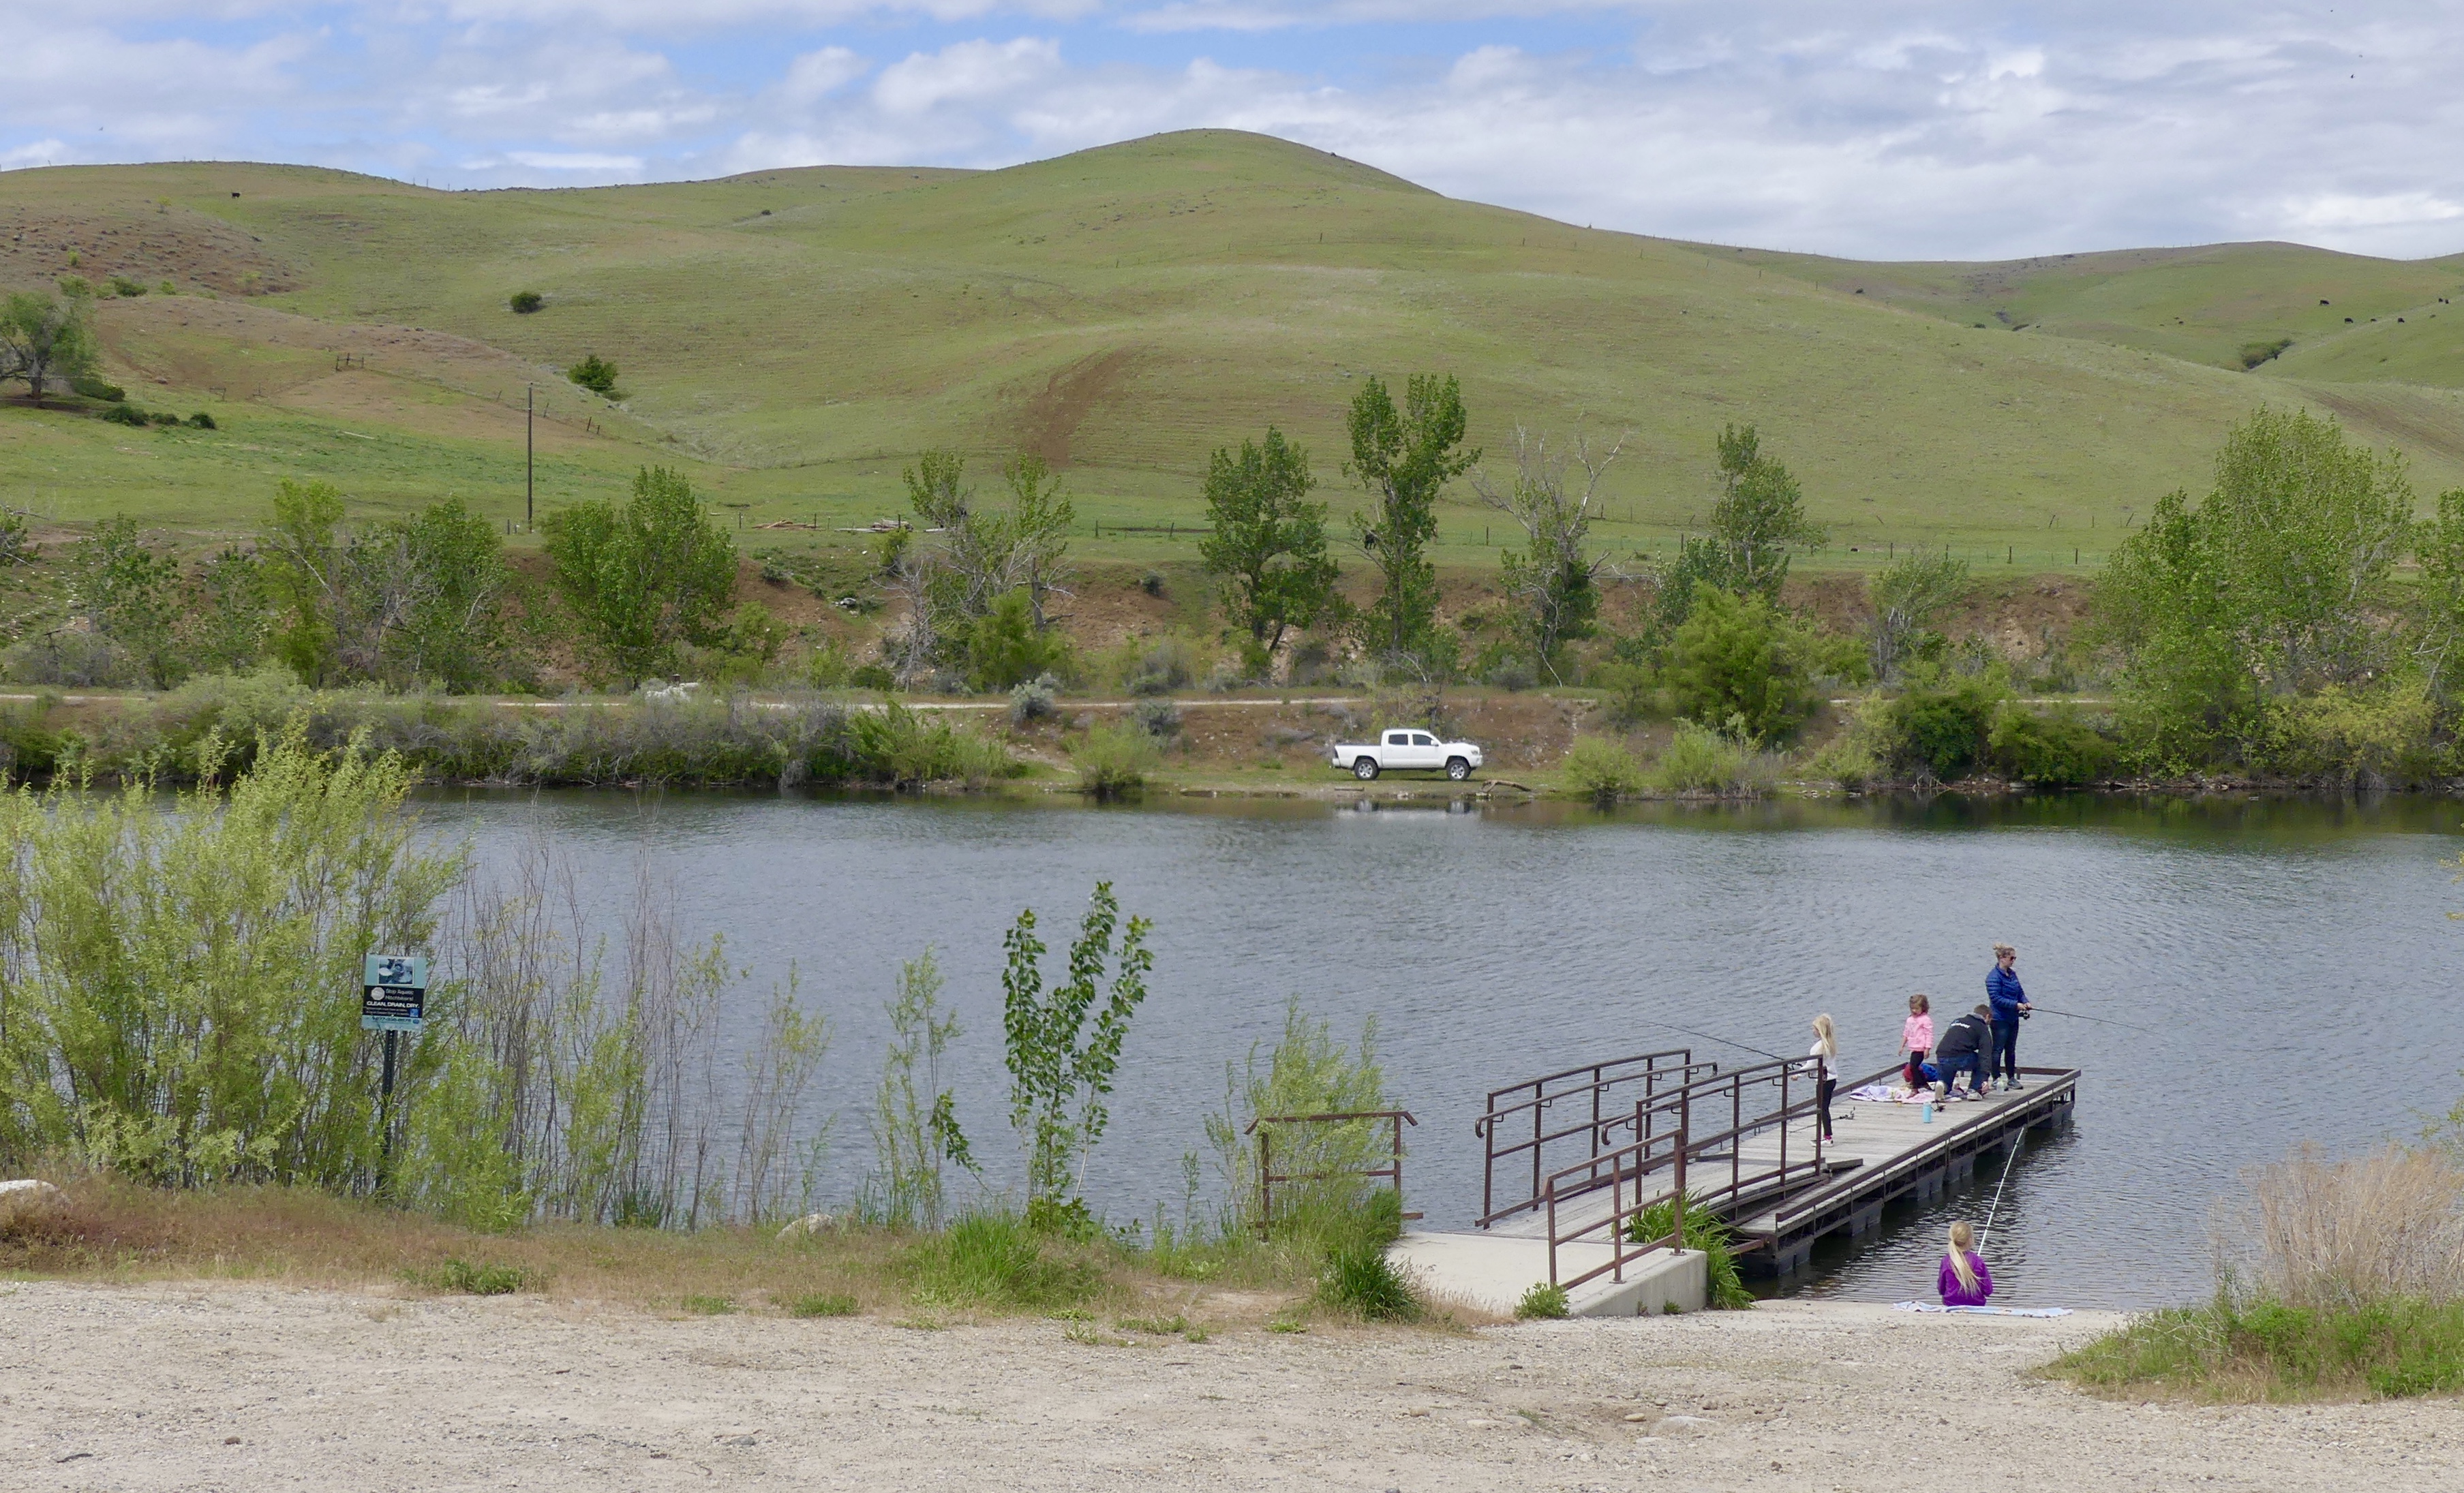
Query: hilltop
792, 336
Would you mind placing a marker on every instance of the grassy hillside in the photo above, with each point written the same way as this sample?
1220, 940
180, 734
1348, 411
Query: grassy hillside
2203, 305
793, 337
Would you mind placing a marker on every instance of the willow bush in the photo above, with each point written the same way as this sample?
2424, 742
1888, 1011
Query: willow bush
180, 990
178, 982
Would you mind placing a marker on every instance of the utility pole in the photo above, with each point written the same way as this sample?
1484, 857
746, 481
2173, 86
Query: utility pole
530, 460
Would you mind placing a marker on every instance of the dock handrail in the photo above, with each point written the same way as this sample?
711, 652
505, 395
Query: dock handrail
1681, 1148
1660, 1072
1267, 1176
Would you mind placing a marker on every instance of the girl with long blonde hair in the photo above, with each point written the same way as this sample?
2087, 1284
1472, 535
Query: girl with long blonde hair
1826, 1072
1963, 1280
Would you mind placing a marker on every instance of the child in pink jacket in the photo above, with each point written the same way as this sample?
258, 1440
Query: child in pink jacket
1916, 1038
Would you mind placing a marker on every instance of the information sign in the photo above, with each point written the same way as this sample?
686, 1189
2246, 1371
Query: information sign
393, 997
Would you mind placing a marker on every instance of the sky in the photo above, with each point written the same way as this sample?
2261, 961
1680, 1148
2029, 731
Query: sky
1879, 129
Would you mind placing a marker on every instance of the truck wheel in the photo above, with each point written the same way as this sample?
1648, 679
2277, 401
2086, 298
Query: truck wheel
1364, 768
1458, 769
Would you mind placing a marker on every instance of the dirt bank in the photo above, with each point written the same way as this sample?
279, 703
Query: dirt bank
194, 1387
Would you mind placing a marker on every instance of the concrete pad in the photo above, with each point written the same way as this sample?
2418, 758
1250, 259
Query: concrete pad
1492, 1271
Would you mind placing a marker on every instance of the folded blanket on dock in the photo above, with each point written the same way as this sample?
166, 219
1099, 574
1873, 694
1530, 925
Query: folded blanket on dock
1874, 1093
1986, 1311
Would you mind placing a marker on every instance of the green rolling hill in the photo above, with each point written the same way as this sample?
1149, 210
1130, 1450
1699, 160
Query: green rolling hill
792, 336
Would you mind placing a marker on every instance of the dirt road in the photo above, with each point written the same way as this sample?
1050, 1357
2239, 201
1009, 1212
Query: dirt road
211, 1387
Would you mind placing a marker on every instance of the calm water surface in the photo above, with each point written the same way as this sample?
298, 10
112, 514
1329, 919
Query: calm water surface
2290, 959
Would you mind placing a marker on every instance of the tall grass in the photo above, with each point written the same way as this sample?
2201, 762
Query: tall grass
1114, 760
1704, 1231
2333, 1277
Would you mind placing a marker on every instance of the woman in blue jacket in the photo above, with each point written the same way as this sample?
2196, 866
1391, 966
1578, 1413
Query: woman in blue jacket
2010, 1003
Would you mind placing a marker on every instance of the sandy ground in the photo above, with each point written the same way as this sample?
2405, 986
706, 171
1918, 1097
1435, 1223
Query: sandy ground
215, 1386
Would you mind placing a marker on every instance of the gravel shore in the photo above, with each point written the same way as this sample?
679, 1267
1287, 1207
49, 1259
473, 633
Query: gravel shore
210, 1387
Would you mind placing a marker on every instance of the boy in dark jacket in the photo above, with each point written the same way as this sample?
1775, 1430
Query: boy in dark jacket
1963, 1047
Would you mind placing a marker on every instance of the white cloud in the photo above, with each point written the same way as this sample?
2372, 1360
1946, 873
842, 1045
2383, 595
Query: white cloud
1902, 128
979, 73
575, 161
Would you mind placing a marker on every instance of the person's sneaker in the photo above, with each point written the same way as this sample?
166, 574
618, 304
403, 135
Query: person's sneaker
2014, 1087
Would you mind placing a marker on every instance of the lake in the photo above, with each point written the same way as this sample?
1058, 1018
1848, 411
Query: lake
2288, 960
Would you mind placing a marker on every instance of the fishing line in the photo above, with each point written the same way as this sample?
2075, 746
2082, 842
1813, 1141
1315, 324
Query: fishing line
2015, 1141
2102, 1021
1725, 1042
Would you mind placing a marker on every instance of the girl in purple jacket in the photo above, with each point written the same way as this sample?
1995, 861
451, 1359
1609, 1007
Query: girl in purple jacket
1965, 1281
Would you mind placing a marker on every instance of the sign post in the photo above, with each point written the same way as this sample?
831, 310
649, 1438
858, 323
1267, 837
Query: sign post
393, 1000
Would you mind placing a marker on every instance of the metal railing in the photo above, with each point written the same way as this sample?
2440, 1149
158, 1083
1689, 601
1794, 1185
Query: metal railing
1267, 1176
1681, 1133
1593, 1117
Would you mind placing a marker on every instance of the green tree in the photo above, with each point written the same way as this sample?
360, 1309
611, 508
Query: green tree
1757, 522
1552, 579
403, 600
2276, 584
1268, 541
1908, 596
44, 339
2439, 546
1736, 659
596, 374
1404, 458
1061, 1068
1004, 648
643, 577
225, 630
130, 595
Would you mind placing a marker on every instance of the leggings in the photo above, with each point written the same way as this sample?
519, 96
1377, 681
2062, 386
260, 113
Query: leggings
1822, 1102
1914, 1072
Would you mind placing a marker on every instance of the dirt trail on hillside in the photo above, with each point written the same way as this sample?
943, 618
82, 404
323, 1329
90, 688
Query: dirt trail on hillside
205, 1387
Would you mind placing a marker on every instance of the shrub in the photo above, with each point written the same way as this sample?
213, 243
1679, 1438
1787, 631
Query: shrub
524, 302
122, 285
1362, 1279
872, 676
161, 417
596, 374
95, 387
1159, 668
1702, 1231
1033, 700
2253, 354
1603, 769
78, 660
1114, 760
202, 420
823, 1304
1542, 1303
1152, 584
125, 413
1159, 719
1939, 726
993, 1258
480, 1279
1700, 760
1737, 657
2057, 749
2365, 737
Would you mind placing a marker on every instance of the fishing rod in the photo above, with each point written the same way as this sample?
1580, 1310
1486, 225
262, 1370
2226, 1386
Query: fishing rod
2101, 1020
1997, 1191
1725, 1042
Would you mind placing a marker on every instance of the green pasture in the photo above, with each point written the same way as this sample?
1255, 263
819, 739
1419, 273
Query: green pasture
791, 338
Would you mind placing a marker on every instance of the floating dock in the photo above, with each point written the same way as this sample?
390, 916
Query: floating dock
1583, 1168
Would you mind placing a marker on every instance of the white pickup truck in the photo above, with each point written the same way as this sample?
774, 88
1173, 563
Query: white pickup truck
1396, 751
